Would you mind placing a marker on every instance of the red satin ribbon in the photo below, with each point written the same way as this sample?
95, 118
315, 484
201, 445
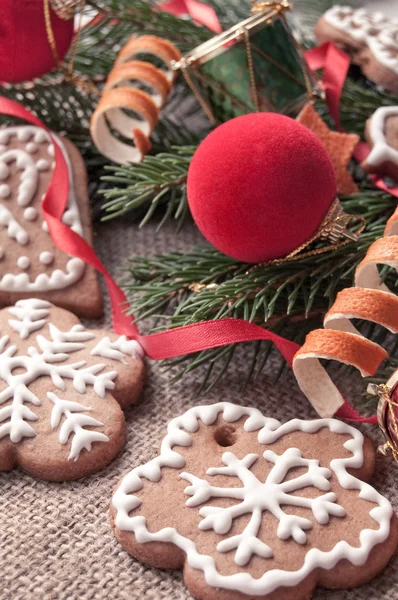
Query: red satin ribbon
335, 65
158, 346
199, 12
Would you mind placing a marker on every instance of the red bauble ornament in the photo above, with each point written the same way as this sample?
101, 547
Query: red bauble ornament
25, 51
259, 186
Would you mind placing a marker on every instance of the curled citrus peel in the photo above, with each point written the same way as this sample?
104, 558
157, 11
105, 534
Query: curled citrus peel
370, 300
126, 115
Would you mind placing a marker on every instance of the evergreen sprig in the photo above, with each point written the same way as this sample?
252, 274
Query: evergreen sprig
155, 178
205, 284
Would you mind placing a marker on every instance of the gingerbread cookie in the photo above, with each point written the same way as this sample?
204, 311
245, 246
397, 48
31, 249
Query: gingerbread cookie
369, 38
62, 390
30, 263
340, 147
381, 132
252, 508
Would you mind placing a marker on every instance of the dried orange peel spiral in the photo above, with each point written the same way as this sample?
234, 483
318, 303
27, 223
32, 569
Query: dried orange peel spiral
150, 45
143, 72
110, 114
126, 115
370, 300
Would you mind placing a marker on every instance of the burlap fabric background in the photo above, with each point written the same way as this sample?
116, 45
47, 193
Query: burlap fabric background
55, 539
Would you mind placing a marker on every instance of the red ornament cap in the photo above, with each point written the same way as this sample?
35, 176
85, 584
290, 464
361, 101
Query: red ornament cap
259, 186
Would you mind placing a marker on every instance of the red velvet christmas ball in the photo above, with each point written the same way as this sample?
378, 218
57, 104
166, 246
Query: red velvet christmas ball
259, 186
25, 51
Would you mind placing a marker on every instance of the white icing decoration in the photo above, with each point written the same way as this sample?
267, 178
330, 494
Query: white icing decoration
31, 148
14, 229
51, 150
381, 151
46, 258
43, 165
32, 315
269, 431
23, 262
23, 134
40, 136
257, 497
44, 226
5, 190
74, 269
371, 29
74, 423
4, 171
118, 349
48, 359
30, 213
29, 177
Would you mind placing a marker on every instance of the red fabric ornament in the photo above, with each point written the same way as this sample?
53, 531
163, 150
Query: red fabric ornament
259, 186
25, 51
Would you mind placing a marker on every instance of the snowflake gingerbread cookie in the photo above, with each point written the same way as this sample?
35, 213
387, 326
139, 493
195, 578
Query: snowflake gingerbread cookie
381, 132
62, 390
30, 263
252, 508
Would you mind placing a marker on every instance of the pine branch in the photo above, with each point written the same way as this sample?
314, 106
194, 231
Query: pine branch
205, 284
359, 101
154, 179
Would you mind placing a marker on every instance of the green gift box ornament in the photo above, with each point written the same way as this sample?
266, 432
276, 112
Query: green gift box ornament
255, 66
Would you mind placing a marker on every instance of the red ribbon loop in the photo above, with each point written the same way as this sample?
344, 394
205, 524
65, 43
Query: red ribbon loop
199, 12
335, 65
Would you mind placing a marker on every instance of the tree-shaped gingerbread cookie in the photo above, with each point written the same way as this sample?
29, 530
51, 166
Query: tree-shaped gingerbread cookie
62, 390
252, 508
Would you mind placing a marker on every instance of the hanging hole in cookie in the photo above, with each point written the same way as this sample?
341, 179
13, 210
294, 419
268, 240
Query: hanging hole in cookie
225, 435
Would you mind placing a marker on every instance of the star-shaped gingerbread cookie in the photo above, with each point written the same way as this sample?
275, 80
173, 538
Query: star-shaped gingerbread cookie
340, 147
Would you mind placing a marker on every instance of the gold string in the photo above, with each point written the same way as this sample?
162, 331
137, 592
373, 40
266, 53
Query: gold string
49, 30
198, 96
251, 70
86, 85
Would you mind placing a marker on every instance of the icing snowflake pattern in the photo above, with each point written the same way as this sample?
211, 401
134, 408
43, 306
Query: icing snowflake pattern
75, 422
51, 357
257, 497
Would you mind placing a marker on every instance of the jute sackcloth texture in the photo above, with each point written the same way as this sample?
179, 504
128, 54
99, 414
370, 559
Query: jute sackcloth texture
56, 542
